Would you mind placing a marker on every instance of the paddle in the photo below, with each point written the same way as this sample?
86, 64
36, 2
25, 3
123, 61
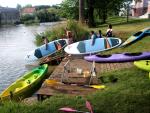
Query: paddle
67, 109
89, 107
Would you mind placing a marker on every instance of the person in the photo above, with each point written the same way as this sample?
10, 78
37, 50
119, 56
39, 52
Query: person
109, 31
69, 36
93, 37
46, 41
99, 35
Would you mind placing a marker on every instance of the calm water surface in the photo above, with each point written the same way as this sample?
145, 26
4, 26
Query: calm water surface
15, 43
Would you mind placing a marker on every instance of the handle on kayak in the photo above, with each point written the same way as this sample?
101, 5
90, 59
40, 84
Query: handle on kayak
147, 62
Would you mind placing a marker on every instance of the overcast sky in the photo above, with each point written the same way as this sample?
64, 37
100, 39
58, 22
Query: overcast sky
13, 3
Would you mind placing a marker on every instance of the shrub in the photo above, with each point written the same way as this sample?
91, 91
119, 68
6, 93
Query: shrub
79, 31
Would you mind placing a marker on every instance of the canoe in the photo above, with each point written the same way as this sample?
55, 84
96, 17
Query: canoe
136, 36
143, 64
41, 52
120, 57
21, 87
86, 46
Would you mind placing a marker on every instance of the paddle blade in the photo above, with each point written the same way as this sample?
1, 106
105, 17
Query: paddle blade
67, 109
88, 105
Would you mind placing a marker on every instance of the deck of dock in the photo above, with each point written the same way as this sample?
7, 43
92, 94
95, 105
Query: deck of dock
72, 77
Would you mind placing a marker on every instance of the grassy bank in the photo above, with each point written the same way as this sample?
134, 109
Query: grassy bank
130, 94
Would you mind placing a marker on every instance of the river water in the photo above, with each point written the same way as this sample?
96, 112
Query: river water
15, 43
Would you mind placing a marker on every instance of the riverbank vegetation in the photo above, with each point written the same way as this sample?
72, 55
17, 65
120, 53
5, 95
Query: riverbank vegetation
38, 14
80, 32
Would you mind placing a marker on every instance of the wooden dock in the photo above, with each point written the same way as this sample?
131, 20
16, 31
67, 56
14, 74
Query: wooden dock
71, 76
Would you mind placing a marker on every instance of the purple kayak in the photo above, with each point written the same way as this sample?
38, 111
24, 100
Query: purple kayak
120, 57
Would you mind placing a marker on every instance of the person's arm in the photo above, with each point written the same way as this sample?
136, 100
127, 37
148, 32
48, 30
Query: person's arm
92, 37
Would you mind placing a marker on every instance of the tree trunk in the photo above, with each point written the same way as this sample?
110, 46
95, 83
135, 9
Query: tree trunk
127, 12
81, 11
104, 17
91, 22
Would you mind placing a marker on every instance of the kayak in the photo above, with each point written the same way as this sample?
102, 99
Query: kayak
21, 87
143, 64
41, 52
136, 36
120, 57
89, 46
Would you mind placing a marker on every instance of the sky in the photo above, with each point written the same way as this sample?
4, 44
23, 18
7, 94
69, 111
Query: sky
13, 3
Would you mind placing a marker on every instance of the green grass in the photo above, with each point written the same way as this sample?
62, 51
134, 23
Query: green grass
130, 94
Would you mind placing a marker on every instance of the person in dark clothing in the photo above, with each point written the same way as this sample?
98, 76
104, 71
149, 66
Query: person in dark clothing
99, 35
109, 31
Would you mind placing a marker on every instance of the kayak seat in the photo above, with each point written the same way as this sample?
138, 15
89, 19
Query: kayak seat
104, 56
28, 82
35, 76
57, 45
133, 54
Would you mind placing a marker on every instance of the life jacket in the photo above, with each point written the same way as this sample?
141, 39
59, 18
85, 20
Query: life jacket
109, 33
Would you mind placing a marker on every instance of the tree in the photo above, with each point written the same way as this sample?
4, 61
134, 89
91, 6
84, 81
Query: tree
127, 7
81, 11
108, 7
28, 6
18, 7
90, 6
69, 9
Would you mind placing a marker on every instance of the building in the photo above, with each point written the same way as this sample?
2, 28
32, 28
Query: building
141, 8
9, 15
28, 10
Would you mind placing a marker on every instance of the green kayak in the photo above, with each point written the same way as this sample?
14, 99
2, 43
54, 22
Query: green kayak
21, 87
143, 64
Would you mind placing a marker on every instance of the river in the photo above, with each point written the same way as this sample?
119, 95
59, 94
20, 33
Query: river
15, 43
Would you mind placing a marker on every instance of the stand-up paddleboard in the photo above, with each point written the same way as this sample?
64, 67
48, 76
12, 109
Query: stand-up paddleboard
136, 36
86, 46
36, 55
120, 57
143, 64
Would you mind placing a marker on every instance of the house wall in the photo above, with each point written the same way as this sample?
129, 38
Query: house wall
140, 8
9, 16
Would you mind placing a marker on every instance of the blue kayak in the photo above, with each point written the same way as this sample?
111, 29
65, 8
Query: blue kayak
41, 52
136, 36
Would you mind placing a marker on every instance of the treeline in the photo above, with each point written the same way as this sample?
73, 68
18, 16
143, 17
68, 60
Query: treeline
93, 11
41, 14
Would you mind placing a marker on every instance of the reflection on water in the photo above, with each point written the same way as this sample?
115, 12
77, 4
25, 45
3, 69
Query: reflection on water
15, 43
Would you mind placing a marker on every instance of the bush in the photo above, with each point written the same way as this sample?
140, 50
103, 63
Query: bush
79, 31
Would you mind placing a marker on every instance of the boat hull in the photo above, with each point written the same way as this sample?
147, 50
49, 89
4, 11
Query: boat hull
26, 85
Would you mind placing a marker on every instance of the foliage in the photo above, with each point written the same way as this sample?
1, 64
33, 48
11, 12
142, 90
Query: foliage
27, 17
69, 9
19, 7
28, 6
79, 31
42, 7
43, 14
47, 15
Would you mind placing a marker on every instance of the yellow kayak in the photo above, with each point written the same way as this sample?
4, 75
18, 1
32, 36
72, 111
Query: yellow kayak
22, 87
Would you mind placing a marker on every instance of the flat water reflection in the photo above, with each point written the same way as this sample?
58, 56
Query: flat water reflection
15, 43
